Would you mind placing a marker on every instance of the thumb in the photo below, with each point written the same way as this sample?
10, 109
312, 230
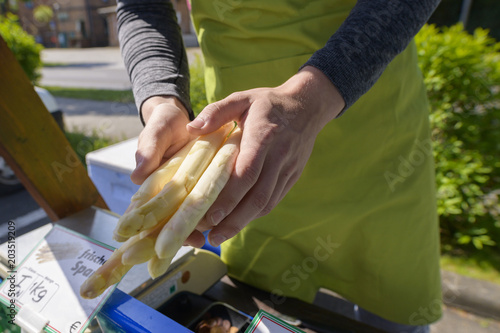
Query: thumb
154, 140
150, 149
219, 113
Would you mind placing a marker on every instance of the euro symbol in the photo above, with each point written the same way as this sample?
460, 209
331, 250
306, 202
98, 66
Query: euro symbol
75, 326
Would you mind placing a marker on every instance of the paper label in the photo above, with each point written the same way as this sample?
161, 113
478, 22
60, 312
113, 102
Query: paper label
265, 322
49, 280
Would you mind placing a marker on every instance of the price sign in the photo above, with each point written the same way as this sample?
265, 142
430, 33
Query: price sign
48, 280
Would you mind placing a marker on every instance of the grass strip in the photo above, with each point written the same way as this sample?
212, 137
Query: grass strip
83, 144
120, 96
482, 265
55, 64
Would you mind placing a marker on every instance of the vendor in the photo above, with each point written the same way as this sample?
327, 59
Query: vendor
334, 184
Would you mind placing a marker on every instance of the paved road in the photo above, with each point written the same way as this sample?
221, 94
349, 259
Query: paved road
100, 76
100, 68
117, 121
23, 210
458, 321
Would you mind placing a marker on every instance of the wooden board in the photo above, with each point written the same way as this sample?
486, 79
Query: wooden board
36, 149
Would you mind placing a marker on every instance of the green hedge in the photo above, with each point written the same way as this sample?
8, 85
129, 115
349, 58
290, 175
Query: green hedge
83, 143
462, 75
23, 45
198, 96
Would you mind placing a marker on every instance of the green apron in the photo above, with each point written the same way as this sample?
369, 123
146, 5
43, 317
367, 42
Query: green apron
361, 220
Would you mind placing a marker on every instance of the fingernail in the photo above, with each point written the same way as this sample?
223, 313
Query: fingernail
217, 240
197, 123
216, 217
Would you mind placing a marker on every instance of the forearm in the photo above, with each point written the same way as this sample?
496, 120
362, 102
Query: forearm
373, 34
153, 51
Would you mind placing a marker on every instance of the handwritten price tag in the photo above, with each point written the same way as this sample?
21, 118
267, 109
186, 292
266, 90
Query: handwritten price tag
49, 280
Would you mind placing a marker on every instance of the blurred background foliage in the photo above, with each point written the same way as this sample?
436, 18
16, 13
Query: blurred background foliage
197, 91
23, 45
462, 76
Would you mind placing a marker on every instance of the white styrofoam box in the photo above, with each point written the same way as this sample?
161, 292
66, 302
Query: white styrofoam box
110, 169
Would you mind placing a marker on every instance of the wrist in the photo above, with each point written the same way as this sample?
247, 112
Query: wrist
315, 89
151, 103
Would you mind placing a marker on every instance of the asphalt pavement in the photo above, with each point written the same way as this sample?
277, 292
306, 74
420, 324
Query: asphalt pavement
100, 68
117, 121
21, 208
472, 308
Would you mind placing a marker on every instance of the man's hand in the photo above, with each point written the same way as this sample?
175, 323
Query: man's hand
164, 134
279, 128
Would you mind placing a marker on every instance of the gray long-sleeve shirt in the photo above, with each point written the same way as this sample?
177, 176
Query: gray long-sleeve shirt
353, 58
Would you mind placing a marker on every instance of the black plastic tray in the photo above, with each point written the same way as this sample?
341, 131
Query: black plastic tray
189, 309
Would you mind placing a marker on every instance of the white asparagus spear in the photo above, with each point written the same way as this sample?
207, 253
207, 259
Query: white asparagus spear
139, 248
157, 266
156, 181
199, 200
143, 249
108, 274
165, 203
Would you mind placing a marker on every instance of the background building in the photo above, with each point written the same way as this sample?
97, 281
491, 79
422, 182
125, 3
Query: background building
80, 23
75, 23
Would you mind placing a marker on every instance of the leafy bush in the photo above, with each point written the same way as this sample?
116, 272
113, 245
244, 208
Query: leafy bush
43, 13
83, 144
23, 45
5, 326
462, 75
198, 96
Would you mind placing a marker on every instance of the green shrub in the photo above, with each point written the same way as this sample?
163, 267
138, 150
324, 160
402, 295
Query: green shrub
23, 45
462, 76
198, 95
43, 14
83, 144
5, 326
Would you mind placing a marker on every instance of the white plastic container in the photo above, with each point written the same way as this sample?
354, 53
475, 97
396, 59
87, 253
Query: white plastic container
110, 169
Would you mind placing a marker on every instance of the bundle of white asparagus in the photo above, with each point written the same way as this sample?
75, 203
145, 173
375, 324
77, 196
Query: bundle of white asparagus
168, 206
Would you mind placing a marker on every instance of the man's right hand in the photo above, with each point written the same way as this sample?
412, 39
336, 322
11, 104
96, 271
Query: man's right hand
164, 134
